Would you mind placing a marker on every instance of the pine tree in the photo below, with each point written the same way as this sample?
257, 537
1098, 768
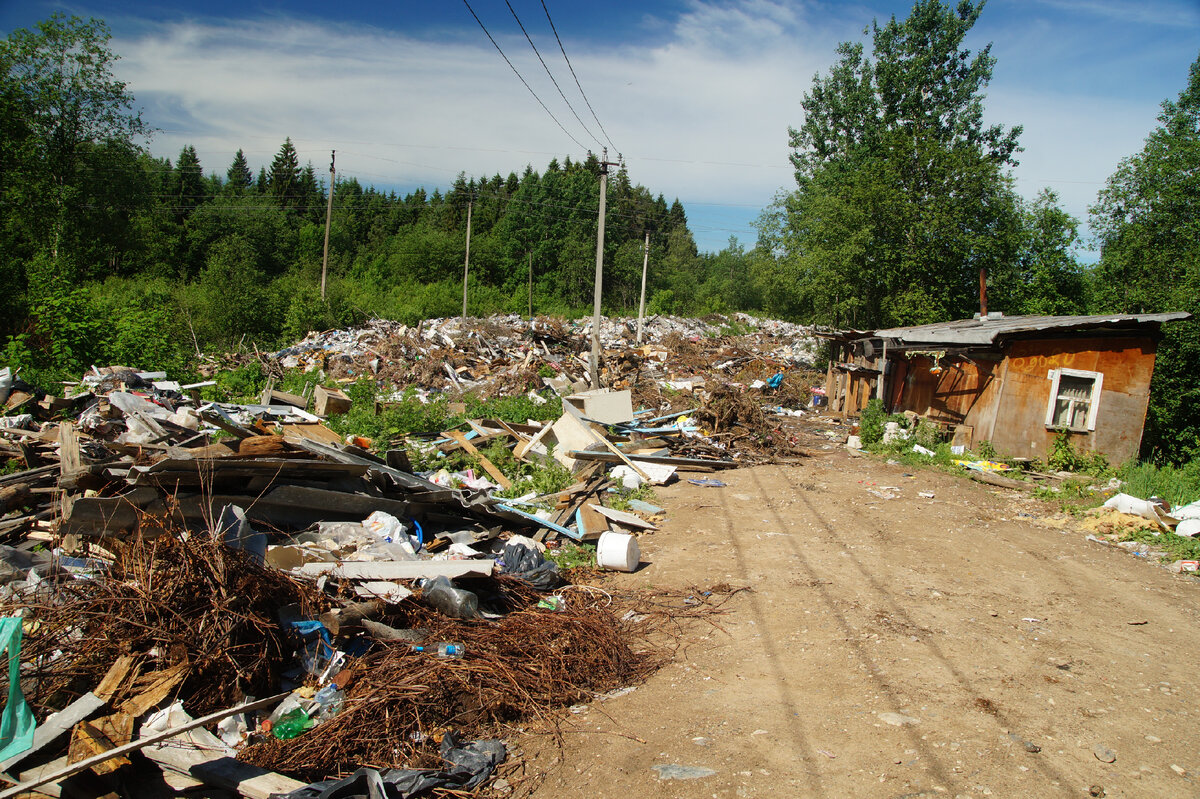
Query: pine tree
285, 176
239, 177
189, 183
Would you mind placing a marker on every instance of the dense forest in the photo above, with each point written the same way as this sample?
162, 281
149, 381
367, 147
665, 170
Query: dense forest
111, 254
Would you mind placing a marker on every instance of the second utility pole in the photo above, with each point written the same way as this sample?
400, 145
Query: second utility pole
594, 361
642, 304
467, 260
328, 215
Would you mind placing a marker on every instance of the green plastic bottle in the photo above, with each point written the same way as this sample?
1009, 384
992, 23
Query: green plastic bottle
291, 724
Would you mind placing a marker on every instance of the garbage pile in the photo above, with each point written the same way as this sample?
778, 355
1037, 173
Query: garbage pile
186, 582
754, 381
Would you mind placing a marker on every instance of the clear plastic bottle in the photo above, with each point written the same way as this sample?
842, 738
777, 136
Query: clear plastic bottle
329, 702
446, 649
453, 602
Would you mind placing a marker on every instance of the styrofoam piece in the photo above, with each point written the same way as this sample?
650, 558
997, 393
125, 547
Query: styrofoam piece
623, 518
1127, 503
618, 551
1188, 528
1190, 511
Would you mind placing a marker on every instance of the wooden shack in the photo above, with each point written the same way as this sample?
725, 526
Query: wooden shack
1016, 381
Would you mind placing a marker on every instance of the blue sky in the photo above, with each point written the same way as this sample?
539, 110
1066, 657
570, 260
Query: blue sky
697, 96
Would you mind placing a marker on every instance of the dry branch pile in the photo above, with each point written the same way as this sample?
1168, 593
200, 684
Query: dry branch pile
176, 601
526, 666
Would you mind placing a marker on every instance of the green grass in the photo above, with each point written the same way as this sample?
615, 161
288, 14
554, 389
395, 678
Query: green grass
1177, 547
398, 419
571, 555
644, 492
1179, 486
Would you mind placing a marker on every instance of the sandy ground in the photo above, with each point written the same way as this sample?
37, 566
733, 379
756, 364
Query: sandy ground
952, 646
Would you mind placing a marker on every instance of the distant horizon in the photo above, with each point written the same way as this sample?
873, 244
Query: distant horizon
697, 96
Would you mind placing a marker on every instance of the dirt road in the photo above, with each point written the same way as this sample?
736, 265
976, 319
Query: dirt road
952, 646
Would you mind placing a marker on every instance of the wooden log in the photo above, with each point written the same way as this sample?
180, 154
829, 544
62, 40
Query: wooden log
17, 495
349, 617
997, 480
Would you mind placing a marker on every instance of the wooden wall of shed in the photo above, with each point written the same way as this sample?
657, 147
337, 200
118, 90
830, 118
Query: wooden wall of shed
1127, 365
963, 392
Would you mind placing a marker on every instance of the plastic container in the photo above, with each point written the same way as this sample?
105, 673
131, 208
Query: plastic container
291, 724
329, 702
446, 649
453, 602
618, 551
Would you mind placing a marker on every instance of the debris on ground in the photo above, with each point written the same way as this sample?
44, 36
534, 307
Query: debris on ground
191, 580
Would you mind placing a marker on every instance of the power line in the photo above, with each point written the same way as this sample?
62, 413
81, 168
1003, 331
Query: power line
518, 74
548, 72
576, 77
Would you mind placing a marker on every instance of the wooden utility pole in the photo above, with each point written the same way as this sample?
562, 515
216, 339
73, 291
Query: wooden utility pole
467, 261
531, 284
328, 216
642, 304
594, 361
983, 293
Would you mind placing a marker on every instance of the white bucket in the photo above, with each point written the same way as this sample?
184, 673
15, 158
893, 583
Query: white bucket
618, 551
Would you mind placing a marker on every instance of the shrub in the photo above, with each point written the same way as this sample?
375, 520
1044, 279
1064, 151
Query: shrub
871, 423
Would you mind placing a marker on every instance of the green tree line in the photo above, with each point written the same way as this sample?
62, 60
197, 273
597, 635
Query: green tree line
112, 254
903, 194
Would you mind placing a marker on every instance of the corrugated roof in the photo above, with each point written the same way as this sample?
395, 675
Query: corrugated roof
977, 331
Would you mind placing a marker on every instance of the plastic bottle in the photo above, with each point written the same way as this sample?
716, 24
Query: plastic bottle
446, 649
451, 601
291, 724
329, 702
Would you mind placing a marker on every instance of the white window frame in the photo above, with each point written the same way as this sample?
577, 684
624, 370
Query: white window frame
1054, 375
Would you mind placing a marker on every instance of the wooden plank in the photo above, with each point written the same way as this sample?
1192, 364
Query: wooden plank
997, 480
401, 569
311, 432
591, 523
558, 528
682, 463
114, 677
523, 448
296, 506
133, 746
222, 771
228, 425
161, 684
488, 466
568, 408
90, 739
104, 515
272, 397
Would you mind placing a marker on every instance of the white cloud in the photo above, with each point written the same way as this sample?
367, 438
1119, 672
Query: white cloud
1138, 12
703, 115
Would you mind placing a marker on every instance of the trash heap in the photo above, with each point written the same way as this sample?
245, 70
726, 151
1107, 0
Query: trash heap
744, 376
189, 581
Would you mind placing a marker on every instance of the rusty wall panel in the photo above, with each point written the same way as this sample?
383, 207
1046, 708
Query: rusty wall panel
1127, 365
949, 396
